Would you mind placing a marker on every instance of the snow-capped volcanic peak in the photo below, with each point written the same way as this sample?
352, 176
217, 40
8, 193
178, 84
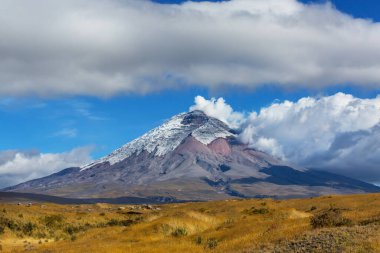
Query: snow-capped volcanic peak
170, 135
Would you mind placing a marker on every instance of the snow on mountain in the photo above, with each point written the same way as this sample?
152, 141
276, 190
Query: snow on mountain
169, 136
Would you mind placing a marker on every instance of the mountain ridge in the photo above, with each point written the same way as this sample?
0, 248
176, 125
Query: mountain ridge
191, 157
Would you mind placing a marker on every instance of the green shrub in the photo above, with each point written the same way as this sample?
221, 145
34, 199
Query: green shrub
331, 217
12, 225
70, 230
28, 228
179, 232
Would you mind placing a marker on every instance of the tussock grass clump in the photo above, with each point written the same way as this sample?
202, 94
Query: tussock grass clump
126, 223
179, 232
71, 230
229, 223
254, 210
198, 240
211, 243
54, 221
73, 238
331, 217
123, 223
313, 208
113, 222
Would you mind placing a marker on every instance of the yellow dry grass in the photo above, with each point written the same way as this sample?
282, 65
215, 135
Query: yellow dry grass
219, 226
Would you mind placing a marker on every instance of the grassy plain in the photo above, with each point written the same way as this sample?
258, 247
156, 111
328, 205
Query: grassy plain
323, 224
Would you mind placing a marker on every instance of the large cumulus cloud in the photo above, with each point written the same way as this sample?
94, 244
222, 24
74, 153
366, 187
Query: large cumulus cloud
101, 48
20, 166
339, 133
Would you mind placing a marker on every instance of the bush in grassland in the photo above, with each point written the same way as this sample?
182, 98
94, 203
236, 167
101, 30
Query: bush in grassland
331, 217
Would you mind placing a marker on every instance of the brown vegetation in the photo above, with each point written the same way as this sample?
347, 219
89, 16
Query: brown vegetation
324, 224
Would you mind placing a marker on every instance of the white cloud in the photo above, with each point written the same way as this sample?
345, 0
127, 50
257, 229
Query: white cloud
339, 133
18, 166
310, 126
103, 48
217, 108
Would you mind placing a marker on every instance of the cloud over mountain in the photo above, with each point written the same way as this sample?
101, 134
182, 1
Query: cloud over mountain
339, 133
19, 166
102, 48
218, 108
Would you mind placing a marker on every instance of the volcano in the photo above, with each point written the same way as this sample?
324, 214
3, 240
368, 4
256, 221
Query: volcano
191, 157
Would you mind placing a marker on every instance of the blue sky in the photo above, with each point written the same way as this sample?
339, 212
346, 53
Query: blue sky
62, 122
